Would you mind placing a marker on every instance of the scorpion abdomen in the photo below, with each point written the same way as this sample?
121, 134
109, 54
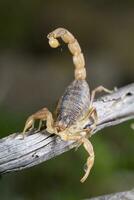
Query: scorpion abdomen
74, 103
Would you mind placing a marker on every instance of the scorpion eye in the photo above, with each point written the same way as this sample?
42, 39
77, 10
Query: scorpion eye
54, 43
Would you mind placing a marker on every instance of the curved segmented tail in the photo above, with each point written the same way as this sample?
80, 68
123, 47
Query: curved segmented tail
74, 47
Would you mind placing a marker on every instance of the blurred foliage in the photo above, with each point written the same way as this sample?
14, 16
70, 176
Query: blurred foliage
31, 74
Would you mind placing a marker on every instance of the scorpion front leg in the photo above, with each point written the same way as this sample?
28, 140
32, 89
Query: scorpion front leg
81, 139
42, 115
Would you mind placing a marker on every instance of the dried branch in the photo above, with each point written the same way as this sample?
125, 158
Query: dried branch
127, 195
17, 153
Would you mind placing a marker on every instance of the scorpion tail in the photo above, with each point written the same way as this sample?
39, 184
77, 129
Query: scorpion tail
74, 47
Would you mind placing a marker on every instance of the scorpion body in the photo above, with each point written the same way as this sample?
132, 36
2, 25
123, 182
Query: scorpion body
75, 106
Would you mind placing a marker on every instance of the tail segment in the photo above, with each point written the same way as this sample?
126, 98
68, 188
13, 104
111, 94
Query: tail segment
74, 47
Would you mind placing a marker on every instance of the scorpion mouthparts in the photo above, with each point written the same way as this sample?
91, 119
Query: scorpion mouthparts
59, 126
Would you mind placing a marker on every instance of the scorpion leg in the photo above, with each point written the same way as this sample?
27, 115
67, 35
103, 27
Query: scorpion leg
29, 124
94, 116
91, 114
42, 115
98, 89
92, 110
90, 160
87, 145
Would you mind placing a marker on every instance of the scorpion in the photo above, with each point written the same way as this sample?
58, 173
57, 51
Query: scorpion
75, 107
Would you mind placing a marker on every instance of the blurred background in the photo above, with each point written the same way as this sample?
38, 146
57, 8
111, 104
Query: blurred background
32, 75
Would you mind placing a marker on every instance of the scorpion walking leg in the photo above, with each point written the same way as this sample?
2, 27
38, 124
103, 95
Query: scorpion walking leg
29, 124
98, 89
42, 115
93, 114
90, 161
92, 110
88, 147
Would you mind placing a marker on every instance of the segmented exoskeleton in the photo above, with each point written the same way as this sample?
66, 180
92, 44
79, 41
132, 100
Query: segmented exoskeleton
75, 102
75, 106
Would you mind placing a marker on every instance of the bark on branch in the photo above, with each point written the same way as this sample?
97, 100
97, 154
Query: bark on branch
126, 195
17, 153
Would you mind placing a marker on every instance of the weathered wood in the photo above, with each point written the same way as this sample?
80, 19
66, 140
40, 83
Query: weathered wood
127, 195
17, 153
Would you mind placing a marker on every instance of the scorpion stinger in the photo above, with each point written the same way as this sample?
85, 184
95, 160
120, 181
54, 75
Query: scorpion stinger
74, 47
74, 109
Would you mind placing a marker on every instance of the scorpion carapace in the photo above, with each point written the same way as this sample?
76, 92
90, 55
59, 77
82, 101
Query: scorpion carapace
75, 108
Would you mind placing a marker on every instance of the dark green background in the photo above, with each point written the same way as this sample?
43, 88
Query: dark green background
32, 75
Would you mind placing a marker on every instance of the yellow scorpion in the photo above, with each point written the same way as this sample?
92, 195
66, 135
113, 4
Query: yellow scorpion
75, 107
